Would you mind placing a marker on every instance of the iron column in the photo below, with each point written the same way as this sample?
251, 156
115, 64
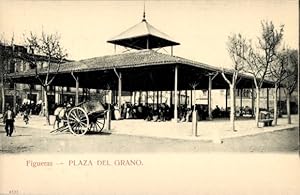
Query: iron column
175, 92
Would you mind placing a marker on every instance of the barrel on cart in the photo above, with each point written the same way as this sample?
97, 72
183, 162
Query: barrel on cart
85, 117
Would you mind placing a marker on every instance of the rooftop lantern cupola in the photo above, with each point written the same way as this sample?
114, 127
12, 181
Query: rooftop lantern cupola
143, 36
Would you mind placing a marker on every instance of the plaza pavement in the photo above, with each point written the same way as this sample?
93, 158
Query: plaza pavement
215, 130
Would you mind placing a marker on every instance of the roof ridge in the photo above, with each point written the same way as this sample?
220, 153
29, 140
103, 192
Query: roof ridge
148, 52
120, 54
146, 23
174, 58
125, 31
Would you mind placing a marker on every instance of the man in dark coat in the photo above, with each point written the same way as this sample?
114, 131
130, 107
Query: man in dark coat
9, 119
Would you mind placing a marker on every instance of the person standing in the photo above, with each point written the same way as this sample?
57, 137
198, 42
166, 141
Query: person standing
26, 115
9, 119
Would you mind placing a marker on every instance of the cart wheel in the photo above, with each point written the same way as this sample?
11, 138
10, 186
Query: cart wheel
78, 121
97, 124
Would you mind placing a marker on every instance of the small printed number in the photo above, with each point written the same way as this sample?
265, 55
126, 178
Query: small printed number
13, 192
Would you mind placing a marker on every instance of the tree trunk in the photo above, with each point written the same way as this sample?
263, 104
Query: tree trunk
288, 107
232, 108
275, 104
3, 96
15, 99
46, 111
257, 105
3, 92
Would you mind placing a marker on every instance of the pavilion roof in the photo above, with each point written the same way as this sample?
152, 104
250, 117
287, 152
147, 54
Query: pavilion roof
142, 70
126, 60
136, 37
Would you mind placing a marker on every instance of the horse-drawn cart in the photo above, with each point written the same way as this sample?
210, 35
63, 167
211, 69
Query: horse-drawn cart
87, 116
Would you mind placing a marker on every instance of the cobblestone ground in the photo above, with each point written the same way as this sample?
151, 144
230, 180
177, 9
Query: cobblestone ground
33, 140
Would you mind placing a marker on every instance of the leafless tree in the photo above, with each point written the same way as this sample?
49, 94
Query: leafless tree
194, 85
236, 47
46, 56
290, 79
258, 59
277, 74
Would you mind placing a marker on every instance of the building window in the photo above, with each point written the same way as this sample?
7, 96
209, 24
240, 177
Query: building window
11, 85
51, 88
11, 68
31, 87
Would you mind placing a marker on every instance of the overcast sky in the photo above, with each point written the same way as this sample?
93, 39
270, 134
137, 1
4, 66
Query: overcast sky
202, 27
